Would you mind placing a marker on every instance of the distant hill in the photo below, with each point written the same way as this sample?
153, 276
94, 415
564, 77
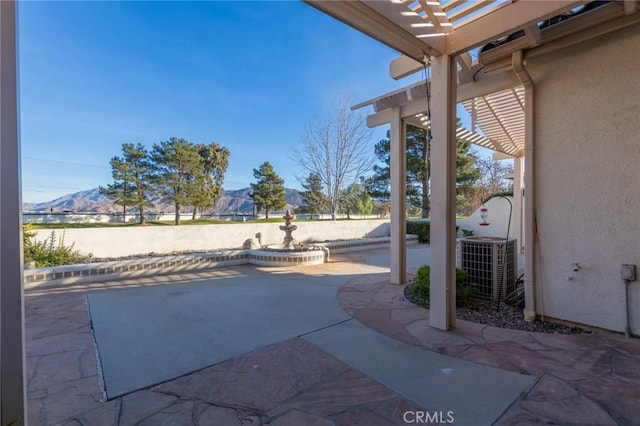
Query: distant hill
92, 201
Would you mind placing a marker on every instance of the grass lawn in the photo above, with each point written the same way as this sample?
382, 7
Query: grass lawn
36, 226
203, 221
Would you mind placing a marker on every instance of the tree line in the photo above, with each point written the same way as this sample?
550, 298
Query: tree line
184, 173
345, 176
342, 173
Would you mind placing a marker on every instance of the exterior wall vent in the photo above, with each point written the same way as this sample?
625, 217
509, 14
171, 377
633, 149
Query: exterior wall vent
485, 259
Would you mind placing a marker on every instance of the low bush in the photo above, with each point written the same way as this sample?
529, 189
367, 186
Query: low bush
50, 252
421, 288
420, 228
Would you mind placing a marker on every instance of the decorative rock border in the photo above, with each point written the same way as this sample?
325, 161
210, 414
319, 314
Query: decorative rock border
131, 268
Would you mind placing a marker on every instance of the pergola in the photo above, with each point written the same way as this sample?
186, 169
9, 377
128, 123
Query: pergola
494, 87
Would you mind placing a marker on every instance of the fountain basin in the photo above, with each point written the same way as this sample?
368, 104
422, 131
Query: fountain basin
280, 256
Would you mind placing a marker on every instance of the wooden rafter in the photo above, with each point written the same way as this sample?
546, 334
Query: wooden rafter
496, 116
432, 16
503, 20
476, 5
362, 17
453, 4
520, 100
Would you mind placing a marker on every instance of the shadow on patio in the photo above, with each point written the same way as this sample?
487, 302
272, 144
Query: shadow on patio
308, 375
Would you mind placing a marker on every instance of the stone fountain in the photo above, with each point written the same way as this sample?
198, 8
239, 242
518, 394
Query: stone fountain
288, 228
290, 252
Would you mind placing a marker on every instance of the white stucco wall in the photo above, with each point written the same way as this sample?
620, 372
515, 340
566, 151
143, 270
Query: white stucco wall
115, 242
498, 219
588, 177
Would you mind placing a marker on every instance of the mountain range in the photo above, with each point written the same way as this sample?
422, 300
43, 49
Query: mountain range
92, 201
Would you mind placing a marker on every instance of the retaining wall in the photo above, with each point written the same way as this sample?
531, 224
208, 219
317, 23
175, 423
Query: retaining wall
159, 265
126, 241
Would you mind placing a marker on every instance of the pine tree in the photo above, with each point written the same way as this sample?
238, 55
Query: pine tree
467, 173
418, 169
418, 150
268, 191
209, 179
177, 165
132, 179
313, 194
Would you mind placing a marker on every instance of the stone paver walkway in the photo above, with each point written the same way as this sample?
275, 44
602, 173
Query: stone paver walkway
586, 379
583, 379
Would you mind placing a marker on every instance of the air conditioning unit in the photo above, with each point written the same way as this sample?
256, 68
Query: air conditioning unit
491, 264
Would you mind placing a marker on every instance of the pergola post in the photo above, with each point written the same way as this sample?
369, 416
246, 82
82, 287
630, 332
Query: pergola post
518, 192
443, 193
12, 366
398, 258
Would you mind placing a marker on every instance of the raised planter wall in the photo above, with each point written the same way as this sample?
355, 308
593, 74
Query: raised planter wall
126, 241
144, 267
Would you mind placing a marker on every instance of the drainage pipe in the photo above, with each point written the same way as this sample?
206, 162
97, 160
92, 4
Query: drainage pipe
529, 199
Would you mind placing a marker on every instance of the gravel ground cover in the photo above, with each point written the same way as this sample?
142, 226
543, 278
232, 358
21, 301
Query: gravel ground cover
501, 315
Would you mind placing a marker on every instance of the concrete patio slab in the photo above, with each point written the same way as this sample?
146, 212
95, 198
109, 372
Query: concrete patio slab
417, 256
149, 335
470, 393
582, 379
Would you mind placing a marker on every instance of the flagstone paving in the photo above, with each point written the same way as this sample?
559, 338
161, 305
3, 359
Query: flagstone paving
586, 379
582, 379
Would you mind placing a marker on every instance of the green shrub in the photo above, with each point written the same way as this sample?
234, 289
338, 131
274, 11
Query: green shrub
464, 291
50, 252
421, 288
420, 228
461, 276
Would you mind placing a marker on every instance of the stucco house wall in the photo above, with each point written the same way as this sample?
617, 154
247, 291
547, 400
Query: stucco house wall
587, 178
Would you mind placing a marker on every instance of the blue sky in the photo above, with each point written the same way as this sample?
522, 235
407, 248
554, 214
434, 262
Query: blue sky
247, 75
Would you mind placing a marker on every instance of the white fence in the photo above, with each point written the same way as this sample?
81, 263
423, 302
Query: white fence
98, 217
70, 217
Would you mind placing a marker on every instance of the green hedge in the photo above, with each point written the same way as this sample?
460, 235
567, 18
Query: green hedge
420, 228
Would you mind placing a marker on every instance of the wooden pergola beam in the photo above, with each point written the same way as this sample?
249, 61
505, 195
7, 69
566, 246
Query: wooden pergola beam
358, 15
503, 21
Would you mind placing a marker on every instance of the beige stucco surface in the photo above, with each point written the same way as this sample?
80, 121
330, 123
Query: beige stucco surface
588, 177
498, 210
114, 242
